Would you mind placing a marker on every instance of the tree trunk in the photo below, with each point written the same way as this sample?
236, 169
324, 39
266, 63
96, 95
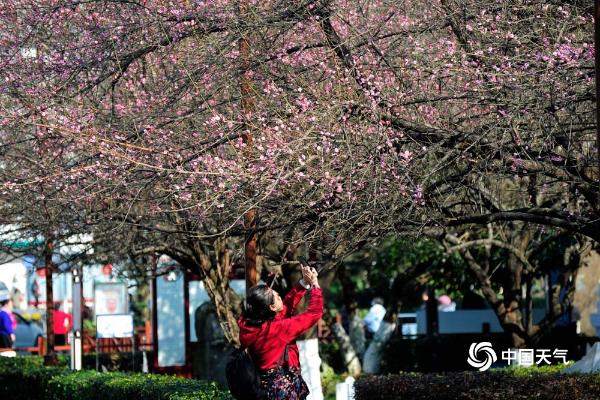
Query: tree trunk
223, 299
512, 319
512, 323
248, 107
350, 356
528, 307
355, 325
212, 262
372, 358
508, 311
215, 275
50, 358
357, 334
348, 287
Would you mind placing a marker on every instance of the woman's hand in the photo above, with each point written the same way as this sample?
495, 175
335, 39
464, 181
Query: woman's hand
305, 274
310, 276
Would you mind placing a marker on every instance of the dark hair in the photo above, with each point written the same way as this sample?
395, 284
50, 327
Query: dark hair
377, 300
3, 303
257, 311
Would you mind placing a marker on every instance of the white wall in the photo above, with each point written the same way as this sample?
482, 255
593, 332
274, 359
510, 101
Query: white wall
14, 275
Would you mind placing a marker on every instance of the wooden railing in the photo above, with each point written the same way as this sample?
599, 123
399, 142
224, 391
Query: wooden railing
142, 342
7, 352
42, 348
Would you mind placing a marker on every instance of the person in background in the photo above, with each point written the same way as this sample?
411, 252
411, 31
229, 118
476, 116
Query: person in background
374, 317
7, 332
62, 325
17, 298
89, 326
446, 304
13, 318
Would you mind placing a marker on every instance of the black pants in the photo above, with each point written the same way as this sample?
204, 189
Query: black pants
5, 341
60, 339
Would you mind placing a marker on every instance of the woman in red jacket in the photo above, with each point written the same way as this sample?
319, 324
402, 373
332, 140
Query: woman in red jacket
268, 329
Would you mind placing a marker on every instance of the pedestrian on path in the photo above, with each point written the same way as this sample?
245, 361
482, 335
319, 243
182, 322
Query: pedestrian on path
62, 325
7, 331
374, 317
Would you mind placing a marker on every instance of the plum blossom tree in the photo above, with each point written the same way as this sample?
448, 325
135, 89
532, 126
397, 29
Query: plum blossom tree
505, 261
34, 217
369, 118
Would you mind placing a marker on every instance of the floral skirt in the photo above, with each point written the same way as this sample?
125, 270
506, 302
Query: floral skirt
284, 384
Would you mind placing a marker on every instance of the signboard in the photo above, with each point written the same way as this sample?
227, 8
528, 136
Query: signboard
170, 313
110, 298
35, 283
114, 326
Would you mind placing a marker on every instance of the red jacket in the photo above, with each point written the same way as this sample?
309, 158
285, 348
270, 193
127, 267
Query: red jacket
267, 342
62, 322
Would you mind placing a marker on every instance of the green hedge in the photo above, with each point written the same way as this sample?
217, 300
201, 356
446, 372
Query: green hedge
513, 384
25, 378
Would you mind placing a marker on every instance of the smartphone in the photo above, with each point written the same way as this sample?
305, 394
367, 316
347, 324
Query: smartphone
305, 263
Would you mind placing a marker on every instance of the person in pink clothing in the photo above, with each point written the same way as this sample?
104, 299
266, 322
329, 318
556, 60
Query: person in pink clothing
268, 329
446, 304
14, 320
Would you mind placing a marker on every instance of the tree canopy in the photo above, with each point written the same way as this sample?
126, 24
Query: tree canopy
369, 118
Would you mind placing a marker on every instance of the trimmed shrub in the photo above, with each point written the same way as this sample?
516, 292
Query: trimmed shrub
518, 384
26, 378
